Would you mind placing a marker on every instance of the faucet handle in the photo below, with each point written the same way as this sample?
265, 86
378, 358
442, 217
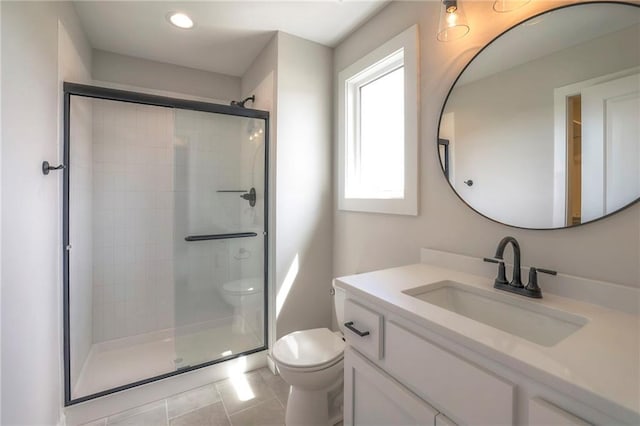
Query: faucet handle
546, 271
532, 287
502, 275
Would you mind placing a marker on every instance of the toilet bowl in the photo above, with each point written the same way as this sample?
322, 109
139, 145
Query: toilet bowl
312, 362
245, 296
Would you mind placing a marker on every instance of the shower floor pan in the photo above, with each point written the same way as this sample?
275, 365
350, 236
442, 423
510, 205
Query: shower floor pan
120, 362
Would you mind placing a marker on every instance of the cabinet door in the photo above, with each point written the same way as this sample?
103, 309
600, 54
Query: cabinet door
466, 392
542, 413
371, 397
442, 420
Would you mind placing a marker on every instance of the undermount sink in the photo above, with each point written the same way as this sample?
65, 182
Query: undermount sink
528, 320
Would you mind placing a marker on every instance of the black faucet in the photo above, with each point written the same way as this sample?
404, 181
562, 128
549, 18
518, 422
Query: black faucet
517, 278
516, 286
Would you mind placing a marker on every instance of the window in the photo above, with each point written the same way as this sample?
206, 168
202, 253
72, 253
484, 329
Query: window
378, 125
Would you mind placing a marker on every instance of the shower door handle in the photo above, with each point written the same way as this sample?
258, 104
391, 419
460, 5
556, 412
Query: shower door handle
220, 236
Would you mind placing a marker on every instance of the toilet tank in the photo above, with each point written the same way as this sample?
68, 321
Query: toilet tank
338, 304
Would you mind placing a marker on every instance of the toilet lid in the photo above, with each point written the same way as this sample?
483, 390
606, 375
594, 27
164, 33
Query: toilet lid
308, 348
244, 286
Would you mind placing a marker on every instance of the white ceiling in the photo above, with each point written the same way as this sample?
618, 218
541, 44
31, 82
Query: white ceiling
228, 35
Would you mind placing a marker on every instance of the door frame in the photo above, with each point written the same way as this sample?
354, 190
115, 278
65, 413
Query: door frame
560, 177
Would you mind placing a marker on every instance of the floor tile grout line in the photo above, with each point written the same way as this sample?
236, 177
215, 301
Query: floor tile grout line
193, 410
224, 406
198, 408
278, 399
272, 393
255, 406
166, 410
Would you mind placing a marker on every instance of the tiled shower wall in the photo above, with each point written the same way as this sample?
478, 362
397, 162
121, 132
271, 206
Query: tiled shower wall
207, 161
133, 204
157, 177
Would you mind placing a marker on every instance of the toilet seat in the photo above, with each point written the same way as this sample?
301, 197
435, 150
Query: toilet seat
309, 350
243, 286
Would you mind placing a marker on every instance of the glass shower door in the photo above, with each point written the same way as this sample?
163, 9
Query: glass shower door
219, 236
164, 237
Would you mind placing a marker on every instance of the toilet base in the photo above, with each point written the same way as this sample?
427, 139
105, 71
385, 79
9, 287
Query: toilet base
315, 407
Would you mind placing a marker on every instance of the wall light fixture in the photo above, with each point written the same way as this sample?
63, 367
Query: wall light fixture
453, 22
502, 6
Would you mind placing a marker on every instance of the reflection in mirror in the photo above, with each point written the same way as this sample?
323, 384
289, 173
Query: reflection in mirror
545, 120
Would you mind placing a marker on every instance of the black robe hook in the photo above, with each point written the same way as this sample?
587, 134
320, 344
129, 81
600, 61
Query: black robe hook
46, 167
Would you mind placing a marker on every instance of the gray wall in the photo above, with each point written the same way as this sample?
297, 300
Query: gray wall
260, 80
608, 250
298, 75
31, 256
303, 183
121, 69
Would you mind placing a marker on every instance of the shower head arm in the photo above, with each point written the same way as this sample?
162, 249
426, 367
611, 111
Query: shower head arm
241, 103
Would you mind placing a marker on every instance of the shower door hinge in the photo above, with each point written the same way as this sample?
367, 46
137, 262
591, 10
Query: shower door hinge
264, 233
68, 247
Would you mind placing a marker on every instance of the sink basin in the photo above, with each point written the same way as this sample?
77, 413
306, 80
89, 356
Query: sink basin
524, 318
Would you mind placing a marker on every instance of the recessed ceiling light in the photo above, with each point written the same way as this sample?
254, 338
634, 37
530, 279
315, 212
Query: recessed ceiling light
180, 20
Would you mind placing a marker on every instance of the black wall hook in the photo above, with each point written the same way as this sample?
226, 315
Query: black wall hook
46, 167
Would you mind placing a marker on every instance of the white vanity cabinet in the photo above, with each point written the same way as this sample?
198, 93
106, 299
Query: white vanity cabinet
401, 374
461, 389
392, 375
374, 398
543, 413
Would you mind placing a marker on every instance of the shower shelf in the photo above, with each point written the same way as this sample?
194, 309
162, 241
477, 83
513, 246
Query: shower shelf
220, 236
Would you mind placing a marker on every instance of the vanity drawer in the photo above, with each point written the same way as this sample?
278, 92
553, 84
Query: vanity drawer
363, 329
467, 393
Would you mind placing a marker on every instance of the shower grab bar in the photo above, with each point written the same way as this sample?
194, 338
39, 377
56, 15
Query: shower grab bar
220, 236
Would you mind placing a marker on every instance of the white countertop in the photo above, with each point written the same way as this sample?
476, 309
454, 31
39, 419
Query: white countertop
599, 364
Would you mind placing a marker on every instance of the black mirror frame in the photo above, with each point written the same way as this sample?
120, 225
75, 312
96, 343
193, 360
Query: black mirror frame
444, 104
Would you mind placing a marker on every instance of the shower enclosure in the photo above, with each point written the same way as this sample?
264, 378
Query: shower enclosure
165, 237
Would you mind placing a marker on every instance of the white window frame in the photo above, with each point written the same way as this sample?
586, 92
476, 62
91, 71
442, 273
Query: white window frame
401, 50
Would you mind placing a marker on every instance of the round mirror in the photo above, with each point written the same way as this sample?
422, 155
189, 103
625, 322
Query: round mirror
542, 128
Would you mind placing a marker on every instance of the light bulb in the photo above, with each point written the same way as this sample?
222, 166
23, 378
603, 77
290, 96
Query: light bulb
451, 19
180, 20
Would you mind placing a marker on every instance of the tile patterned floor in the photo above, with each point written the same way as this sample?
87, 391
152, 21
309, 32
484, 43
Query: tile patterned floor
255, 398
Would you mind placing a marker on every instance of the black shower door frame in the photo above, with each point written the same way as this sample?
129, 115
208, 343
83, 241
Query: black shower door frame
95, 92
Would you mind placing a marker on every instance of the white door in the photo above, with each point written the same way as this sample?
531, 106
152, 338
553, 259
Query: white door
610, 146
371, 397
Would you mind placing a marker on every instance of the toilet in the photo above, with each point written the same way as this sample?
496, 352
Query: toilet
245, 296
312, 362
